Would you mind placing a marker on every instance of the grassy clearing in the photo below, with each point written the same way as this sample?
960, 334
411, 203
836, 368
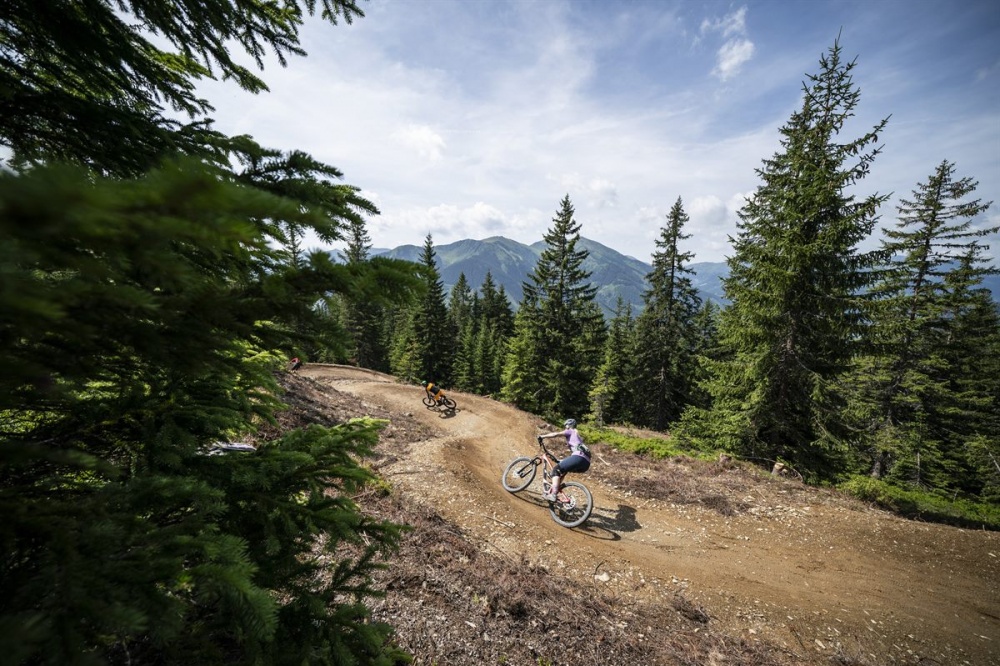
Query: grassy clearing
923, 505
903, 501
657, 446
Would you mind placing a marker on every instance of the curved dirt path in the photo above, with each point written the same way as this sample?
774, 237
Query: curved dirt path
823, 578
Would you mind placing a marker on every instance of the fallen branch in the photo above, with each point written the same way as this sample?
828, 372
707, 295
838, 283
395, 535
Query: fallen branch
505, 524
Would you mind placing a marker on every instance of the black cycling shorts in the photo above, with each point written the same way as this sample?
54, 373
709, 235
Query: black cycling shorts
573, 463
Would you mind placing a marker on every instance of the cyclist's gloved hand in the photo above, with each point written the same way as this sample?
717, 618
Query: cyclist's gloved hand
539, 438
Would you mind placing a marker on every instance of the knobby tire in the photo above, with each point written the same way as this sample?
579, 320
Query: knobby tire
519, 474
579, 513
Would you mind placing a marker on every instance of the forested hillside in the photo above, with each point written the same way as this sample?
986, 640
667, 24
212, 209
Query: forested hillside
874, 369
613, 273
509, 262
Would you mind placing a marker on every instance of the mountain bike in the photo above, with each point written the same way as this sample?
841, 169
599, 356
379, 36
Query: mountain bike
572, 505
441, 401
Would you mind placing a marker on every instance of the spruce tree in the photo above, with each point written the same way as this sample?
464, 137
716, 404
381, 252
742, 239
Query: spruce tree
559, 328
465, 377
490, 349
915, 393
522, 380
974, 351
612, 394
108, 109
708, 350
405, 360
424, 348
142, 320
363, 313
493, 325
461, 305
299, 176
139, 326
493, 307
795, 280
972, 421
666, 337
501, 309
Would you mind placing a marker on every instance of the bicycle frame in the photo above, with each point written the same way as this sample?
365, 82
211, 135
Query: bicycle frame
549, 463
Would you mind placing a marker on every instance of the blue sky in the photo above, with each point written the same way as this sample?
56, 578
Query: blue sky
473, 118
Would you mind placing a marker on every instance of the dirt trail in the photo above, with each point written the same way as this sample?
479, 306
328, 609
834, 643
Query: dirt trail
800, 568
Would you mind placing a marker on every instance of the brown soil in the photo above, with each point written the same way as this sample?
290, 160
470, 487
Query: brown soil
682, 562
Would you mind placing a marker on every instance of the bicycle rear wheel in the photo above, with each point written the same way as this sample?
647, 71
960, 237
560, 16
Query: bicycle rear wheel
449, 403
519, 474
576, 509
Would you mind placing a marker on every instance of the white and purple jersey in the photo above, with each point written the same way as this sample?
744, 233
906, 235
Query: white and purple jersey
575, 442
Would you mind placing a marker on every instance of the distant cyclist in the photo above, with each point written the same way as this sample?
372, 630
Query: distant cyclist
434, 391
578, 459
294, 364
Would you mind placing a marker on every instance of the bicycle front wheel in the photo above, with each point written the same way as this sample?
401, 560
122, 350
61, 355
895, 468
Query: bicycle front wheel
429, 401
576, 507
519, 474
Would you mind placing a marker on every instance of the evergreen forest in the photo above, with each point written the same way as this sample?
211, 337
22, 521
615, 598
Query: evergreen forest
154, 282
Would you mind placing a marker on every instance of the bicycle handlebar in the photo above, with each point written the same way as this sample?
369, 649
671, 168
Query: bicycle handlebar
541, 443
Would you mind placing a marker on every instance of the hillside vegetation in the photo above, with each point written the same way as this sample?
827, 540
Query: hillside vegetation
615, 274
509, 263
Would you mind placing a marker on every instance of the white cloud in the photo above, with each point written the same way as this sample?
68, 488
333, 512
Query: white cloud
733, 24
445, 223
737, 49
603, 193
588, 192
473, 119
707, 211
427, 143
731, 58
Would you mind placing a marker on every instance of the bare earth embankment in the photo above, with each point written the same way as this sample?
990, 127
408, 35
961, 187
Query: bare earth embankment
681, 562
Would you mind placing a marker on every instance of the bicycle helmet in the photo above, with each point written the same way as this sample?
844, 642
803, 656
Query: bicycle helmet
570, 423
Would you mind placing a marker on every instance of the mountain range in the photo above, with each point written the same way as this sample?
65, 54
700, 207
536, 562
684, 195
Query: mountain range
615, 274
509, 262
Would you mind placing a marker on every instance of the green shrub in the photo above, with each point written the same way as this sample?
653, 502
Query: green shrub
655, 447
923, 505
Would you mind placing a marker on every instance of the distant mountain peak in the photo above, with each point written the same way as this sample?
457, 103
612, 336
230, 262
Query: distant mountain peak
509, 262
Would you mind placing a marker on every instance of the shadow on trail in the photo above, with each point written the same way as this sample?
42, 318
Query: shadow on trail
606, 524
443, 412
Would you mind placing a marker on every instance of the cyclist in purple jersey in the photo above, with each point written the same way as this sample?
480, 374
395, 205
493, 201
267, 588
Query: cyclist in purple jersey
578, 459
